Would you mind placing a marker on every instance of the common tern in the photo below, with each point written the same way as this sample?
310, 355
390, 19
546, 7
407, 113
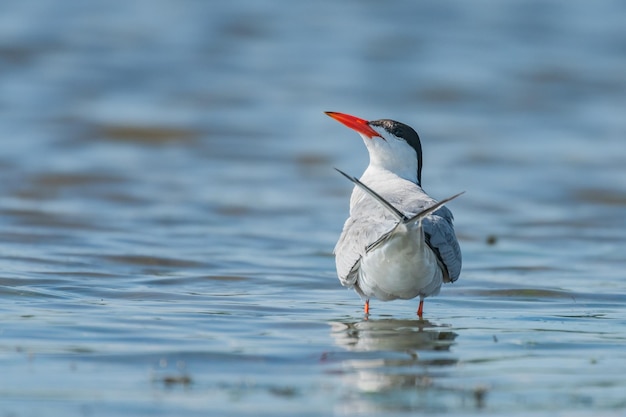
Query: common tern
398, 242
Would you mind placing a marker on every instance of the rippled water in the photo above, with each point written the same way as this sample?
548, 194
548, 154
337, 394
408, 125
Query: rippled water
168, 207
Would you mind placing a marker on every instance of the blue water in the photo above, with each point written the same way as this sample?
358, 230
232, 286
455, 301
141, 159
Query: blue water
168, 207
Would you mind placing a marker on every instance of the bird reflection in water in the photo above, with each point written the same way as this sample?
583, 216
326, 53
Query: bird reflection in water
387, 354
391, 335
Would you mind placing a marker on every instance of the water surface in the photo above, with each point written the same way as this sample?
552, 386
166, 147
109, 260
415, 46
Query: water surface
168, 207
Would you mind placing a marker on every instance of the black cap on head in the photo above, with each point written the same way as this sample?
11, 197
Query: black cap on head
407, 133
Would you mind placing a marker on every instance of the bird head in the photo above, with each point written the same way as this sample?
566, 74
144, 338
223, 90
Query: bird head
391, 145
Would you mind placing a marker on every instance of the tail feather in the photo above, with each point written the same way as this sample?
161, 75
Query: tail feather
432, 208
397, 213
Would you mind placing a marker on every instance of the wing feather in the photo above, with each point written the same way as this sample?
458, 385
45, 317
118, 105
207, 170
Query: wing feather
359, 232
440, 236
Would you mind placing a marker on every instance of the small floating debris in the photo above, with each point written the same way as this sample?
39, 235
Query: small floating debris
171, 380
480, 392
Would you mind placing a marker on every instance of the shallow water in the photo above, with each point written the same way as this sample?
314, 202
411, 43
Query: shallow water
168, 207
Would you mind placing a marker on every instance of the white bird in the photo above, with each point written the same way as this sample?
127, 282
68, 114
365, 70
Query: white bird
398, 242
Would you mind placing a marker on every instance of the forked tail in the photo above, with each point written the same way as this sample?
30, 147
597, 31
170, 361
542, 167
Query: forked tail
397, 213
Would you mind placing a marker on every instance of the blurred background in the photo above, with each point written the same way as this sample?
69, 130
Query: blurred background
168, 204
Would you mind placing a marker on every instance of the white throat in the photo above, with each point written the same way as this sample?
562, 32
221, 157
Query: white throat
392, 154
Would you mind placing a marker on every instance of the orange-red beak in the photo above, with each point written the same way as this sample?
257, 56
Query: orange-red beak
360, 125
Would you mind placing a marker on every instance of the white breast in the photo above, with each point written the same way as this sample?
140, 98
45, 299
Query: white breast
402, 267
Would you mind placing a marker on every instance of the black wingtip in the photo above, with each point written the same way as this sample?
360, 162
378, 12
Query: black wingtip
397, 213
351, 178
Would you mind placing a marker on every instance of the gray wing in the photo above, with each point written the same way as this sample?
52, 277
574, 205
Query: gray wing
373, 221
440, 236
358, 233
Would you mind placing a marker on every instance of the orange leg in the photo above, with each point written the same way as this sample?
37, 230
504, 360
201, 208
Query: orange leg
366, 308
420, 309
